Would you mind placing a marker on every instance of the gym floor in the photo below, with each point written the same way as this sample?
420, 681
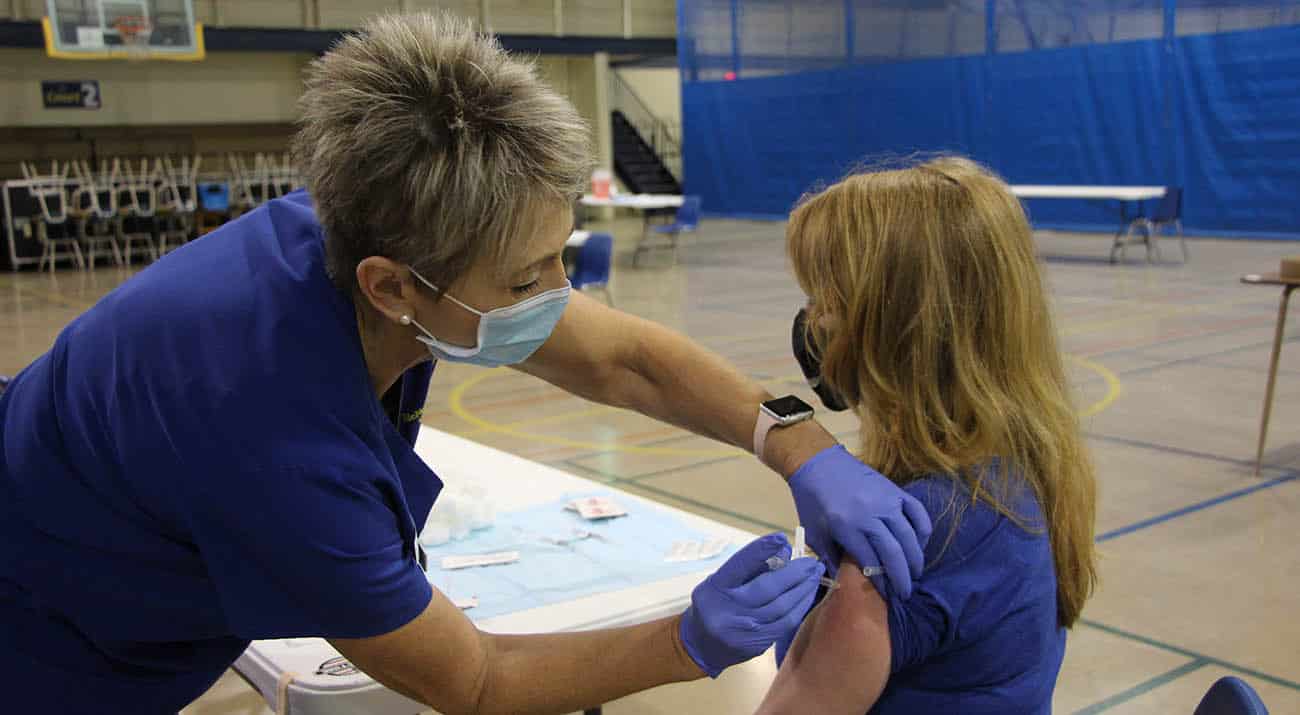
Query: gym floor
1198, 555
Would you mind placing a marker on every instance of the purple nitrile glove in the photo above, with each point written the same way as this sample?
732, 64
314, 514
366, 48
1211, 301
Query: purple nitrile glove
847, 507
743, 608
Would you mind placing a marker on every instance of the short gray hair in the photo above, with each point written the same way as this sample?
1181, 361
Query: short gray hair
423, 141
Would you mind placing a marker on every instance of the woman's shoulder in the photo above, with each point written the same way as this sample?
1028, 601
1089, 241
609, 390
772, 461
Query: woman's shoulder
999, 520
989, 557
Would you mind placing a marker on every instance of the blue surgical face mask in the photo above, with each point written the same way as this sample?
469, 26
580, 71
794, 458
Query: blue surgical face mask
506, 336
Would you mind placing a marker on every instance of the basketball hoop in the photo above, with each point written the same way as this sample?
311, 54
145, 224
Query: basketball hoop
134, 31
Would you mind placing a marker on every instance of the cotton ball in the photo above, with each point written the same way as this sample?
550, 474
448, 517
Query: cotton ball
435, 534
456, 513
481, 512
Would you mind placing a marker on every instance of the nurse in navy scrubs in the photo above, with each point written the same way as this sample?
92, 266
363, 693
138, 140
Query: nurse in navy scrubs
221, 449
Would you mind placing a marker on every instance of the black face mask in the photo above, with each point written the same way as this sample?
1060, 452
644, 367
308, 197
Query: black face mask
811, 363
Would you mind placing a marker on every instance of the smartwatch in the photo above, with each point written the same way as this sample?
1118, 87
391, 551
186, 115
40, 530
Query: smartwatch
778, 412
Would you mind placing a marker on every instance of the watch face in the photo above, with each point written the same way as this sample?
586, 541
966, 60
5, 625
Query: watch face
788, 406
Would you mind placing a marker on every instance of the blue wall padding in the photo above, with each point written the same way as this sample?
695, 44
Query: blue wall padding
1217, 114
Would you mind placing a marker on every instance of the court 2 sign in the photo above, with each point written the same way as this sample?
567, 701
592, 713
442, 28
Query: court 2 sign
81, 94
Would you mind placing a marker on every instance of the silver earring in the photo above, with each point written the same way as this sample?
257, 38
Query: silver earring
404, 320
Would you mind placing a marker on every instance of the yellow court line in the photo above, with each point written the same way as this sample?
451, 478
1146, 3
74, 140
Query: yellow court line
1113, 386
456, 403
549, 419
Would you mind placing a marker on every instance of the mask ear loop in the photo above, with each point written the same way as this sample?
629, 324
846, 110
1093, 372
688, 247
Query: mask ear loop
408, 320
444, 294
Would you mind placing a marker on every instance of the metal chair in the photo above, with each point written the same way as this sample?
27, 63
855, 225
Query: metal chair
178, 200
1169, 212
594, 259
687, 220
135, 216
1231, 696
94, 204
51, 194
280, 177
247, 190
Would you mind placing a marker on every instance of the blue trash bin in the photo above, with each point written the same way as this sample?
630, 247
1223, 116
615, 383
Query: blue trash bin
214, 196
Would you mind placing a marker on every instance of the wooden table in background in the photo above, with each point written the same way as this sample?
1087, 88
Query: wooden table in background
1288, 285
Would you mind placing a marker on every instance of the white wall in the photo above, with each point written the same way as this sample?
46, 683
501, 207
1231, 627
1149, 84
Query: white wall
154, 107
647, 18
227, 87
659, 88
240, 102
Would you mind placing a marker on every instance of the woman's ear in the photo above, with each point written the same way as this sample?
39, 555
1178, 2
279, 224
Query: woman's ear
386, 286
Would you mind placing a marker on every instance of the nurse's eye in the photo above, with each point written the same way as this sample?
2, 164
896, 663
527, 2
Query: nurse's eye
527, 288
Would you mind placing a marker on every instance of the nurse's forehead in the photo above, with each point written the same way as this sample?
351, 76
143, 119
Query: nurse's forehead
543, 240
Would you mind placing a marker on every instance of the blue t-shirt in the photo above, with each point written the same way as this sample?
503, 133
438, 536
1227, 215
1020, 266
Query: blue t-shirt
200, 460
979, 634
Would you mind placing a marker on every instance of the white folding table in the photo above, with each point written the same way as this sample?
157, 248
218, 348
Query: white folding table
1123, 194
645, 203
307, 676
639, 202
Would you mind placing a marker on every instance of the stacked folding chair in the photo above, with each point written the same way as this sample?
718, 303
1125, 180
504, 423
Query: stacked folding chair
94, 205
137, 205
58, 239
178, 200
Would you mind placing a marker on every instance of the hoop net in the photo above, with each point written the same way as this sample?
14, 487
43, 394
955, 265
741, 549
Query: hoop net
134, 31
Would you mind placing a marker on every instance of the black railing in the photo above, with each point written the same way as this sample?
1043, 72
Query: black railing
663, 136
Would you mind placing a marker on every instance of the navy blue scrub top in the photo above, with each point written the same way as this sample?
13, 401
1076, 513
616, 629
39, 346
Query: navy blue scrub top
200, 460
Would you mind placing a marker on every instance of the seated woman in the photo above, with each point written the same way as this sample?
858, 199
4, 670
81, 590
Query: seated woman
927, 308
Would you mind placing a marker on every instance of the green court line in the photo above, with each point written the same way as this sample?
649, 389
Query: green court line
680, 498
661, 441
767, 526
636, 478
1144, 687
1209, 660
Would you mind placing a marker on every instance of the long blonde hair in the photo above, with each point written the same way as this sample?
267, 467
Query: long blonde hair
941, 339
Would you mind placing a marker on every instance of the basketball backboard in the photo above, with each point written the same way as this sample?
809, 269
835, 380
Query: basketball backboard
122, 29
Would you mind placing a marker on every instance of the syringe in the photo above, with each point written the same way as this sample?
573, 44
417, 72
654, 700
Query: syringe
799, 551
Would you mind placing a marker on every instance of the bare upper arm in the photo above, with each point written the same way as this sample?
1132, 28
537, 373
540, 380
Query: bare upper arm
840, 660
438, 658
588, 343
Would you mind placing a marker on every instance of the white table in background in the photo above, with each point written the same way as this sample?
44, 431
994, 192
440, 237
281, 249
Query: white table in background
311, 676
645, 203
1118, 193
1123, 194
639, 202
